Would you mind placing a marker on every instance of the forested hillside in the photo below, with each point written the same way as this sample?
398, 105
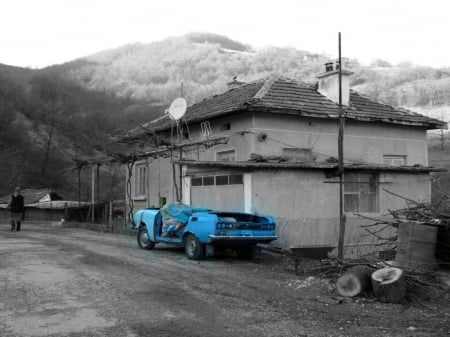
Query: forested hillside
55, 115
47, 123
203, 63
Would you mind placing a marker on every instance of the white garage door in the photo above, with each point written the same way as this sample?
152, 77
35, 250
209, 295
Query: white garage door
220, 192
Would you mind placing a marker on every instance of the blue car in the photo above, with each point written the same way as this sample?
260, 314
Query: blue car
202, 231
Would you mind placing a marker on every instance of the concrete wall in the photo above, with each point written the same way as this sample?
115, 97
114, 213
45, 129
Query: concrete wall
365, 142
307, 208
160, 184
242, 143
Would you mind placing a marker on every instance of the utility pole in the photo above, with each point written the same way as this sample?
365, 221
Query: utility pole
342, 218
93, 194
98, 185
180, 195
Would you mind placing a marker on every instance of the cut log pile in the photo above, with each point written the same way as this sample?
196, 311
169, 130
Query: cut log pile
390, 283
387, 283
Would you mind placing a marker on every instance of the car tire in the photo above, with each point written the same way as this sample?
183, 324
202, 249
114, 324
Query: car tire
193, 249
245, 253
143, 239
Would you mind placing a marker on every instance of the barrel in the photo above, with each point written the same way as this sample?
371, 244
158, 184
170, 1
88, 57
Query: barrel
416, 246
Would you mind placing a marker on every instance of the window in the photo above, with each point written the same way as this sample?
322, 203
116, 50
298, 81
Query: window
361, 192
197, 181
208, 181
236, 179
222, 180
224, 127
394, 160
297, 154
185, 133
141, 180
229, 155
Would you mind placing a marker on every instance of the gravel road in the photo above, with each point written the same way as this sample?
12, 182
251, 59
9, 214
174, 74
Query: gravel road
59, 281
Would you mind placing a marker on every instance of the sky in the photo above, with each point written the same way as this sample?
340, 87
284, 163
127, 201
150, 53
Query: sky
39, 33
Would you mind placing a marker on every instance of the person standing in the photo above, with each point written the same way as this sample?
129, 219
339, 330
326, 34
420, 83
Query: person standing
16, 208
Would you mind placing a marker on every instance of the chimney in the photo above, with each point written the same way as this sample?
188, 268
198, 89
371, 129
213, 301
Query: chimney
329, 83
234, 83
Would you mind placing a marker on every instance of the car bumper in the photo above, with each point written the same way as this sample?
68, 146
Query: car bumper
241, 239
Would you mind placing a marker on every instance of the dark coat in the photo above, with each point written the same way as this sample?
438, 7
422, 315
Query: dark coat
17, 204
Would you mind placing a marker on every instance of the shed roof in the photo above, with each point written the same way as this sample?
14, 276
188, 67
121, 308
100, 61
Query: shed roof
310, 166
31, 196
277, 94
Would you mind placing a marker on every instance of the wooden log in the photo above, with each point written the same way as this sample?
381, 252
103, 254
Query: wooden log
389, 284
354, 281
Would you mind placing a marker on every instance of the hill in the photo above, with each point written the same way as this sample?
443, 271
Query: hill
47, 123
198, 65
421, 89
55, 115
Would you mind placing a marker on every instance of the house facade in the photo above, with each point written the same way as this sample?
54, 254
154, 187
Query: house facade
271, 147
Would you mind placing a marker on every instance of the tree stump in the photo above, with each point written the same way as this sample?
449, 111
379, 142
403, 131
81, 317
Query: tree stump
354, 281
389, 284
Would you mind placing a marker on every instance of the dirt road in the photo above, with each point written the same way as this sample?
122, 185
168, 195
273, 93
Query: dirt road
57, 281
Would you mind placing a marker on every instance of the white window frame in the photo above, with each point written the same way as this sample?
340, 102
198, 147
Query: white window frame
222, 152
353, 186
394, 159
140, 181
296, 154
212, 180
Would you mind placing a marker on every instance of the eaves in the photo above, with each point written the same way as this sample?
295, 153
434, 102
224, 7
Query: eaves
309, 166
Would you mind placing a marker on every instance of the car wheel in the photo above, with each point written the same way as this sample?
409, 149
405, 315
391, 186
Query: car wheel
144, 240
245, 253
193, 249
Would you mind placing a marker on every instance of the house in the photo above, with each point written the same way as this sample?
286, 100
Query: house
271, 146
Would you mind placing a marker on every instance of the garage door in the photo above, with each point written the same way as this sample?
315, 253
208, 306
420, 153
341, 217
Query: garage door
220, 192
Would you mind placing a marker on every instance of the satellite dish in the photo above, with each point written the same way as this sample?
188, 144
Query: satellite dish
177, 109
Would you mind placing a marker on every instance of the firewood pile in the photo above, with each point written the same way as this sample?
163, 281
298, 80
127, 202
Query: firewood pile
432, 214
387, 282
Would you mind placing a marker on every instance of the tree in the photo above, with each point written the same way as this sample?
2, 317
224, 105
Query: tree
51, 110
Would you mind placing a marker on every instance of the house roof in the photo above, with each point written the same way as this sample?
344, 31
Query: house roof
31, 196
288, 96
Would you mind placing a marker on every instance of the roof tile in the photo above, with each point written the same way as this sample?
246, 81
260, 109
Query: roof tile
284, 95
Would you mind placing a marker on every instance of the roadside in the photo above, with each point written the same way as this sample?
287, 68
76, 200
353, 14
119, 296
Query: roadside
58, 281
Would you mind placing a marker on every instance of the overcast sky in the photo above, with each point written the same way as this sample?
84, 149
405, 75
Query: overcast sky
38, 33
